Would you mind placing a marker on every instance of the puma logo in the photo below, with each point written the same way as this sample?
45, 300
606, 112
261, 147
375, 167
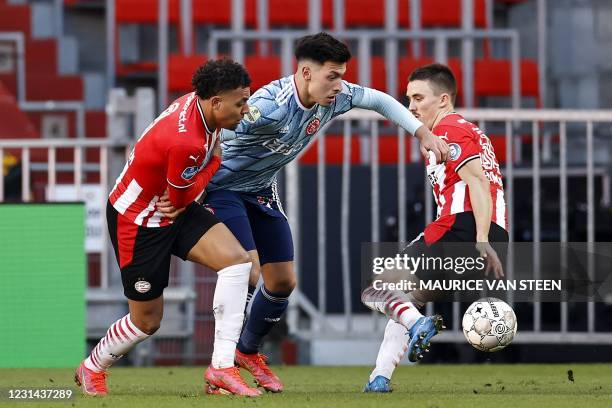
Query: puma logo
195, 159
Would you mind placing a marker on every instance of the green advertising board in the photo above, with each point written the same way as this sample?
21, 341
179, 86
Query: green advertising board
42, 284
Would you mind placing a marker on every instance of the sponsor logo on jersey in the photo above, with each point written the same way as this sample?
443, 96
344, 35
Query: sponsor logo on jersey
189, 172
183, 115
286, 149
313, 126
142, 286
454, 151
253, 114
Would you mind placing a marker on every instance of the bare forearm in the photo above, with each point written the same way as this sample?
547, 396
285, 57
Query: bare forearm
482, 207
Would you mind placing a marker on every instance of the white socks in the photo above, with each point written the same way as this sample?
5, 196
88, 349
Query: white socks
120, 338
391, 351
228, 307
395, 305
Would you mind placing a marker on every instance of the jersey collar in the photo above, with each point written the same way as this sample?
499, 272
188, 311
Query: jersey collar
202, 116
297, 96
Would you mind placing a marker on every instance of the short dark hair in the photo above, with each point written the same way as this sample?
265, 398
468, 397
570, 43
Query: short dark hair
440, 76
321, 48
216, 76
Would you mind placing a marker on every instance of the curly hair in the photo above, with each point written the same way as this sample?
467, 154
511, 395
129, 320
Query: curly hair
322, 47
216, 76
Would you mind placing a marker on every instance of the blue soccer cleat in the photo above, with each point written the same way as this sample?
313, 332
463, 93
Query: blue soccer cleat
420, 336
378, 384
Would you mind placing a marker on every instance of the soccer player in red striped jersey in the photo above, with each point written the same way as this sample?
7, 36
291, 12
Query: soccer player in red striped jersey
176, 157
469, 194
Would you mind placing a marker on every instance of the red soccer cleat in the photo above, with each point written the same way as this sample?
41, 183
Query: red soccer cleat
256, 364
91, 383
227, 381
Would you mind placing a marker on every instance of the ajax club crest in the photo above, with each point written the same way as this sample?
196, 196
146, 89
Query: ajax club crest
313, 126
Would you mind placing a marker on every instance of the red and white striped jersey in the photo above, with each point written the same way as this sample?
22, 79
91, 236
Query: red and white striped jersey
171, 151
466, 142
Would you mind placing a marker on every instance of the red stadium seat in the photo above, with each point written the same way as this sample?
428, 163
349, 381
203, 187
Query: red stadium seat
262, 70
41, 56
365, 13
333, 150
378, 72
143, 11
493, 78
388, 149
45, 87
180, 71
499, 147
295, 13
219, 12
15, 18
448, 14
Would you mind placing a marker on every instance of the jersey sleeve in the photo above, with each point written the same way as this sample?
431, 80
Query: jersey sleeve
388, 107
463, 146
182, 165
186, 181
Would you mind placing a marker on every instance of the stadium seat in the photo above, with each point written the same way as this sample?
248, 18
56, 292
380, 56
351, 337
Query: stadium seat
41, 56
333, 150
378, 72
371, 13
364, 13
493, 78
15, 18
219, 12
14, 123
388, 149
143, 11
263, 70
180, 71
294, 13
449, 15
499, 146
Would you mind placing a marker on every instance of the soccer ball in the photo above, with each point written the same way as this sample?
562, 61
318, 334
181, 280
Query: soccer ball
489, 324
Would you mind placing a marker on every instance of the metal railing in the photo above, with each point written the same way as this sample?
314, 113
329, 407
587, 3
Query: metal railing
322, 323
343, 325
365, 38
78, 167
40, 106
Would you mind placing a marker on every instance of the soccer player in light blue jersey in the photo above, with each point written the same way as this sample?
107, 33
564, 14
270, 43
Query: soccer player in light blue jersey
284, 117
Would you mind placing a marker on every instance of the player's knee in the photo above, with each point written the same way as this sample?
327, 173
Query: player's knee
282, 285
240, 256
149, 325
234, 256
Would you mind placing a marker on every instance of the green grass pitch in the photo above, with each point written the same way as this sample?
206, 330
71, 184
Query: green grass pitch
427, 386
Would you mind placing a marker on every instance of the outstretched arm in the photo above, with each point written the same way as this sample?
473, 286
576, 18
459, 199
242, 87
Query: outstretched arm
394, 111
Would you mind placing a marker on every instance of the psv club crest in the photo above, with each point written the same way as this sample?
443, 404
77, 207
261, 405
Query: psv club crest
313, 126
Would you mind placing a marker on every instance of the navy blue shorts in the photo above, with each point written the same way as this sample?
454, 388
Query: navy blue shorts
256, 220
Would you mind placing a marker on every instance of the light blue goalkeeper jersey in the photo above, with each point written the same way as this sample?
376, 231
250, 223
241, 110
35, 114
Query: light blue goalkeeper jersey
278, 127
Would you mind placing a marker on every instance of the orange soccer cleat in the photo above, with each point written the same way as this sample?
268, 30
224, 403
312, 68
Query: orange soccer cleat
91, 382
256, 364
227, 381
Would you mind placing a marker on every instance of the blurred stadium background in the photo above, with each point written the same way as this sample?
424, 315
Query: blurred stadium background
80, 80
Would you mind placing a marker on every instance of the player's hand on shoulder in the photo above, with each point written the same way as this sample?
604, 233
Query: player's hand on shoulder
217, 148
430, 142
164, 205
